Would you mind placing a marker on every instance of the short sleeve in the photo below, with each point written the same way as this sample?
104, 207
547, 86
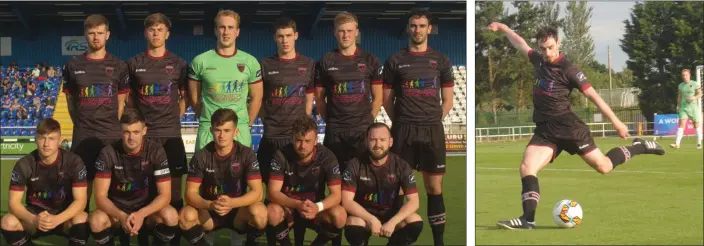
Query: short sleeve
310, 87
350, 176
69, 84
252, 166
376, 70
123, 84
277, 168
577, 79
535, 57
389, 74
446, 77
18, 181
332, 172
697, 85
255, 71
78, 173
104, 163
321, 76
408, 178
195, 69
195, 169
161, 165
183, 76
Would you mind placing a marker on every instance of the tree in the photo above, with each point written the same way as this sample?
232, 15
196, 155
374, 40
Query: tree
550, 14
577, 44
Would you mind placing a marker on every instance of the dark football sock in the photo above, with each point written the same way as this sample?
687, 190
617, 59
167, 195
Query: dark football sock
281, 232
531, 196
176, 241
104, 237
357, 235
327, 232
19, 238
252, 234
406, 235
195, 236
163, 234
436, 218
78, 234
620, 155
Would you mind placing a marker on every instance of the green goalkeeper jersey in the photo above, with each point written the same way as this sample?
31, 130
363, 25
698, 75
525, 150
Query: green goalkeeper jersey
688, 90
225, 82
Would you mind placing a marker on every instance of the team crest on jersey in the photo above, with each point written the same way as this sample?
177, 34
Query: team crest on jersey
434, 64
391, 178
362, 67
144, 163
302, 71
240, 66
235, 167
316, 171
169, 69
109, 70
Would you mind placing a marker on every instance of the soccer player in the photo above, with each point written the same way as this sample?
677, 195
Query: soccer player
55, 181
96, 87
288, 92
216, 187
370, 188
296, 188
158, 82
557, 127
418, 85
345, 80
133, 186
688, 94
223, 77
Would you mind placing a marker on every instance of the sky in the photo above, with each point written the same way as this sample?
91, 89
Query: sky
606, 29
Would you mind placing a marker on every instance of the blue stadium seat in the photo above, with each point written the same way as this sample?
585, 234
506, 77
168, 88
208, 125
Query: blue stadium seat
16, 132
321, 130
253, 130
35, 121
24, 132
261, 130
6, 132
32, 132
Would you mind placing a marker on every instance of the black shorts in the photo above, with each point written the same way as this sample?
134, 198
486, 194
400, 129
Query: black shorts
175, 154
566, 132
89, 149
58, 231
423, 147
266, 151
346, 145
226, 221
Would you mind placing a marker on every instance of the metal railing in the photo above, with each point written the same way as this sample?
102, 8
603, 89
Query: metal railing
488, 134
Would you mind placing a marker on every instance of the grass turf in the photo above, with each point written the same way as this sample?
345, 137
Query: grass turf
648, 200
455, 202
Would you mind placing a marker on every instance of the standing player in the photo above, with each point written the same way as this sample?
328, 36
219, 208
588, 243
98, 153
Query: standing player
345, 80
418, 85
371, 184
158, 81
296, 189
96, 89
288, 92
216, 187
688, 94
125, 192
56, 192
557, 127
223, 77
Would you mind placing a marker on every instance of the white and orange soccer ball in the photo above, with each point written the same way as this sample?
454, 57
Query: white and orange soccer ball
567, 214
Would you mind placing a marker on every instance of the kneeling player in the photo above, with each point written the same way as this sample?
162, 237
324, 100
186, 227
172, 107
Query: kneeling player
216, 187
127, 172
297, 173
56, 192
370, 194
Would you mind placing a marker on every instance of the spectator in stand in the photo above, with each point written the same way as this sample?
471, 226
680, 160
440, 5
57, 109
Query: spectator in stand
6, 83
51, 72
22, 113
6, 103
17, 84
36, 101
14, 65
31, 88
15, 107
43, 73
50, 102
21, 91
36, 71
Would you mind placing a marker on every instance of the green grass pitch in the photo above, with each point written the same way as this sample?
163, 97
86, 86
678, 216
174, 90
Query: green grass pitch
648, 200
455, 194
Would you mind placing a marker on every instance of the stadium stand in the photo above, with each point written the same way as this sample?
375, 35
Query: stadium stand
21, 111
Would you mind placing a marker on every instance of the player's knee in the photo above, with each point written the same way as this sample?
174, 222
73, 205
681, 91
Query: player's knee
187, 217
81, 217
259, 215
433, 189
338, 216
275, 214
413, 218
169, 216
355, 221
604, 167
527, 169
98, 221
10, 222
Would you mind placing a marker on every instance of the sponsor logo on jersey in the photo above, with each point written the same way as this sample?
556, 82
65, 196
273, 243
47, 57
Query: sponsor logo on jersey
333, 69
79, 72
272, 72
140, 70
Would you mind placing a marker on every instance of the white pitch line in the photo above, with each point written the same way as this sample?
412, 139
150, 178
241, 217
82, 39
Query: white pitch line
586, 170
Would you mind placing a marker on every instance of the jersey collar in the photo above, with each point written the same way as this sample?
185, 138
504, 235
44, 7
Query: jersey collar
356, 53
85, 55
287, 60
234, 145
166, 52
224, 56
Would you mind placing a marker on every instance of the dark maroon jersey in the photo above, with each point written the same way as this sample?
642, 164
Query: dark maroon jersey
49, 186
286, 83
417, 79
155, 83
305, 182
553, 85
376, 188
131, 175
347, 81
94, 86
223, 175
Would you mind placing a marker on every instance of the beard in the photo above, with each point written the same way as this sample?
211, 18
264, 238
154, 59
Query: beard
379, 156
418, 41
302, 155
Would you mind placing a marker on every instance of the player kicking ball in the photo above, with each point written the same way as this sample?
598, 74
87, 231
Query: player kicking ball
688, 94
55, 181
370, 194
216, 187
125, 192
296, 187
557, 127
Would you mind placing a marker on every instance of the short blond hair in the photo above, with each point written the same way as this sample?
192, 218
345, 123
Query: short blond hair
227, 13
344, 18
686, 70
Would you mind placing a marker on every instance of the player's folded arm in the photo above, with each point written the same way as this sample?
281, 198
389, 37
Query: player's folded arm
334, 182
163, 185
15, 204
276, 196
254, 195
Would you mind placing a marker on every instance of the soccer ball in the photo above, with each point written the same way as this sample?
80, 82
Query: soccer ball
567, 214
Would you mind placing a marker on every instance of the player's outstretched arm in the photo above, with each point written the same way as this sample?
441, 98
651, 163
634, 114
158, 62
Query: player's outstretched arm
516, 40
606, 110
276, 196
256, 92
353, 208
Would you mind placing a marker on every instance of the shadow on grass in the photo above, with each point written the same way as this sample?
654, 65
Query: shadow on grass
496, 228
